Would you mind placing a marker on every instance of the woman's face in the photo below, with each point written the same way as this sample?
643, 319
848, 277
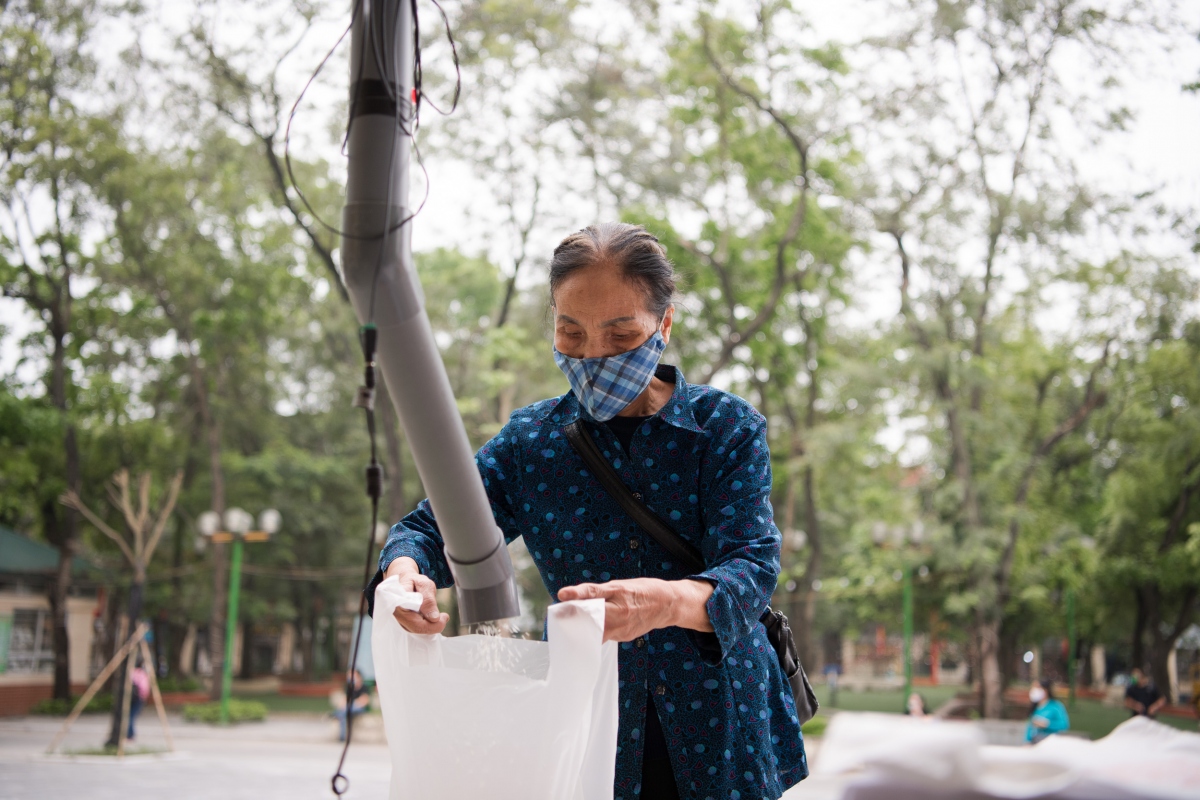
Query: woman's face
599, 313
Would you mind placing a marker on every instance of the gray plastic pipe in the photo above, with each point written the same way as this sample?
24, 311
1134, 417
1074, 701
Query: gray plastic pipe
377, 196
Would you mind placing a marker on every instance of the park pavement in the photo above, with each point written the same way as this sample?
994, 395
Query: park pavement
285, 757
288, 756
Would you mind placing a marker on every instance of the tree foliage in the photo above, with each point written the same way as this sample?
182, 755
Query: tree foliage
889, 245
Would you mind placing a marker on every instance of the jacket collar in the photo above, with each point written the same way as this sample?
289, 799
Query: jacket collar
676, 411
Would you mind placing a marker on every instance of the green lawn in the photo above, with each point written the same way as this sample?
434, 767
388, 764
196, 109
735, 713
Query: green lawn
1097, 720
888, 701
1088, 716
294, 705
302, 705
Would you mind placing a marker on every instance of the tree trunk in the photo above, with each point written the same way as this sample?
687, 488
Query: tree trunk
118, 679
990, 681
173, 655
163, 639
1158, 652
216, 621
112, 627
62, 523
247, 669
312, 620
1161, 634
812, 519
812, 570
220, 555
57, 597
176, 631
301, 599
1138, 651
787, 524
1007, 657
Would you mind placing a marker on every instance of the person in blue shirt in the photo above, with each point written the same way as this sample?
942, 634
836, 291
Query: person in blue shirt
359, 702
1047, 716
705, 711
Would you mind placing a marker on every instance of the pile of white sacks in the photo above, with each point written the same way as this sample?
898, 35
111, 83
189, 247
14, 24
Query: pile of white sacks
900, 758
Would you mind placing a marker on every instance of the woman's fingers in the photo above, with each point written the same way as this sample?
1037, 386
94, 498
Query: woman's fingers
429, 606
617, 623
587, 591
429, 619
428, 591
630, 609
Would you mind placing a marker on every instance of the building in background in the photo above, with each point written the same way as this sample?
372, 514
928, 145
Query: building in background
26, 634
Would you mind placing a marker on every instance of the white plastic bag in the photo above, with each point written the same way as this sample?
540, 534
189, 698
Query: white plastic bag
473, 717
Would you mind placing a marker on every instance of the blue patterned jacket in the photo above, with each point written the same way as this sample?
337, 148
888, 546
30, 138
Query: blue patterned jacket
701, 463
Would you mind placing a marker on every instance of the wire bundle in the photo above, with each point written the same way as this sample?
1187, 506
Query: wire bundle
381, 28
380, 39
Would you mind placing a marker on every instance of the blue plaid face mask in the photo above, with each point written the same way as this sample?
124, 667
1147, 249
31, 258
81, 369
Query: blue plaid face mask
607, 384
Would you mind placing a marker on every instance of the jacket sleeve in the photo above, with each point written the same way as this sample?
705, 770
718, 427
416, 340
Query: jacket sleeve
417, 535
740, 543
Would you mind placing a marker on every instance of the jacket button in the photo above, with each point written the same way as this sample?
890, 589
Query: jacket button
637, 495
661, 690
640, 641
633, 544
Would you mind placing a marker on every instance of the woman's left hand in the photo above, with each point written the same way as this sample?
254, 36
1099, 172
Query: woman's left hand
636, 606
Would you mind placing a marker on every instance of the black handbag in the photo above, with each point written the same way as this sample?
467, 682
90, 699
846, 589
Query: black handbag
779, 632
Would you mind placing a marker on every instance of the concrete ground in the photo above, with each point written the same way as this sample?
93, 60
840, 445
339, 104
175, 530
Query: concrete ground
289, 756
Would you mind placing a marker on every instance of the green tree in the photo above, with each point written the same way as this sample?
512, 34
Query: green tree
755, 167
1152, 500
976, 188
247, 94
29, 427
53, 156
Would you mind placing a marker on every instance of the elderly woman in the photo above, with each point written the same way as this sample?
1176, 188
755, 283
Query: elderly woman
705, 710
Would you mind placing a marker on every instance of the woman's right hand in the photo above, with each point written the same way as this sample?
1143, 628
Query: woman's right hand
429, 619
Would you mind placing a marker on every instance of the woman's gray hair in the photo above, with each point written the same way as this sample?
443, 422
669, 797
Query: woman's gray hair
632, 249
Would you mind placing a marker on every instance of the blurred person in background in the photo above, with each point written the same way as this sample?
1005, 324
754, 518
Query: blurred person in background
359, 702
1142, 697
832, 670
140, 683
1047, 716
915, 706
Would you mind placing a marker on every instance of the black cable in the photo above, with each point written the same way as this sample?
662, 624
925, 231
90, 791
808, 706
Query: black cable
418, 96
287, 132
380, 46
340, 783
418, 74
453, 54
374, 475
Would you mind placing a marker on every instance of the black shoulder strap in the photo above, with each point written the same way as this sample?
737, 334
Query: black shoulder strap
651, 523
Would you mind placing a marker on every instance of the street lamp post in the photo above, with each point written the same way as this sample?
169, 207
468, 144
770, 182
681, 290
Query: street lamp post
908, 629
901, 536
1071, 647
237, 530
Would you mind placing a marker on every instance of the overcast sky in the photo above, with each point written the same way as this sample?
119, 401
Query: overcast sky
1159, 151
